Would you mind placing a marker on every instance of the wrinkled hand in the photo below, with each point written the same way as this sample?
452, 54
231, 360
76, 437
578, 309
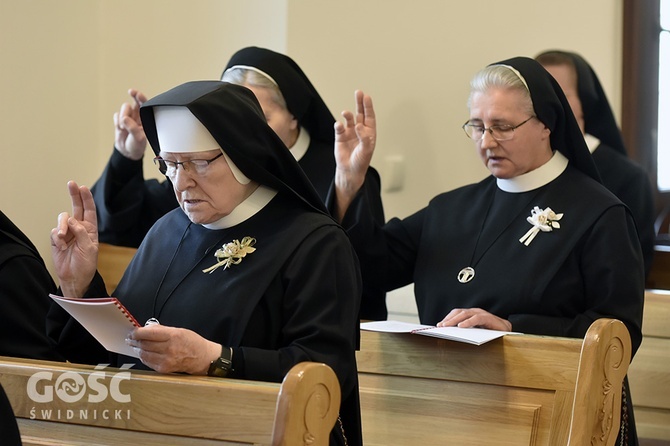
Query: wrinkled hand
129, 137
474, 317
354, 145
74, 243
173, 350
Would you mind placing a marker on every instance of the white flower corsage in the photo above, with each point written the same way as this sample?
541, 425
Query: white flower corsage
232, 253
544, 220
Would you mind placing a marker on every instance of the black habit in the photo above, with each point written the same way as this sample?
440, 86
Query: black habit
9, 429
561, 282
296, 298
25, 284
127, 205
621, 175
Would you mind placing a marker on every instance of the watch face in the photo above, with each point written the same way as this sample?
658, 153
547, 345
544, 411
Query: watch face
222, 365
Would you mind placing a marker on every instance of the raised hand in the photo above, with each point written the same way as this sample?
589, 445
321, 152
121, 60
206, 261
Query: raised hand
74, 243
130, 138
354, 145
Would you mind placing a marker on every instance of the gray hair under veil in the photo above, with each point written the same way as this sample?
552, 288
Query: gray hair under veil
302, 99
553, 110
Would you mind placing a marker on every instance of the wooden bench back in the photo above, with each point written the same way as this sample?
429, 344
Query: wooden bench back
112, 263
58, 403
659, 275
517, 390
649, 374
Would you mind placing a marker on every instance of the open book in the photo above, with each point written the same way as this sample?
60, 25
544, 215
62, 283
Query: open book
477, 336
105, 318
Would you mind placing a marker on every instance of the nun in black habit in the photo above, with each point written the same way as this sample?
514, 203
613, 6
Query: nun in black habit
250, 269
9, 428
625, 178
128, 205
539, 247
25, 284
281, 85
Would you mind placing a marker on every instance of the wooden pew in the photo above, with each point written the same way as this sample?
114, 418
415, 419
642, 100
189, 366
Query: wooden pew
141, 407
649, 374
659, 275
112, 262
517, 390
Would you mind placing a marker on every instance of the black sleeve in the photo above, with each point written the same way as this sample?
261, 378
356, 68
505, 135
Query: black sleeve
9, 429
127, 204
25, 285
73, 341
387, 252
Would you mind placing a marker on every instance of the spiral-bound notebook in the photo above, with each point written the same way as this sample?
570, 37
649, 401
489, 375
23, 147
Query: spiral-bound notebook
477, 336
105, 318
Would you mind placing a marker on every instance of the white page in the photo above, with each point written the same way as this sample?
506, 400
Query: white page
392, 326
106, 321
475, 336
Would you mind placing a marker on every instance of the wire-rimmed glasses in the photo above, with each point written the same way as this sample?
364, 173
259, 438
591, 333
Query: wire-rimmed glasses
196, 166
498, 132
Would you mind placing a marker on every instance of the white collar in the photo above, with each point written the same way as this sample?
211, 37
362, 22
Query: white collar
245, 210
534, 179
301, 144
592, 142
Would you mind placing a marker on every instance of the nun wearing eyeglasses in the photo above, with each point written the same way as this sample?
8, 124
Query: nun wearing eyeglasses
248, 277
540, 246
128, 205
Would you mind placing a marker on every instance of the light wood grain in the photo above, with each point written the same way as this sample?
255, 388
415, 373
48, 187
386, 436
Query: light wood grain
649, 373
112, 263
301, 410
518, 390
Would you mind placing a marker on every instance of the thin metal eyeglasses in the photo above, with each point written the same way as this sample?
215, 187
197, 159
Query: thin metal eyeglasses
498, 132
197, 166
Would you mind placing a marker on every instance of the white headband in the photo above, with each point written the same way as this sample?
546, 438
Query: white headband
518, 74
247, 67
179, 131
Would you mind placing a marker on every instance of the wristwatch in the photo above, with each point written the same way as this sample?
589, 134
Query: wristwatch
223, 365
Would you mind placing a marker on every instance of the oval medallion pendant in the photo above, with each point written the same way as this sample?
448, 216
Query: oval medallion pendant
466, 274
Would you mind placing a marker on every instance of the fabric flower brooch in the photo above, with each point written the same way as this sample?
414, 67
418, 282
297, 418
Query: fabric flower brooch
232, 253
544, 220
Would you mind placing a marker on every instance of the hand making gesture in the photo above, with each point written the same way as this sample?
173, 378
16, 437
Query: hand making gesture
129, 137
74, 243
354, 146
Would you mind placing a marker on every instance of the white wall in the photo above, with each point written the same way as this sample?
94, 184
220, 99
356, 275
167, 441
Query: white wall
66, 66
416, 59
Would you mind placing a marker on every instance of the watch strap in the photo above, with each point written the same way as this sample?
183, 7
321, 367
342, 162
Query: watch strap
223, 365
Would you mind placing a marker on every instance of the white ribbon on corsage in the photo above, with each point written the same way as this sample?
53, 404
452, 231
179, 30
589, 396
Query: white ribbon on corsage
544, 220
232, 253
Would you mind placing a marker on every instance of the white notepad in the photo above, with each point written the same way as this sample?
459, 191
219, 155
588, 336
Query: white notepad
105, 318
477, 336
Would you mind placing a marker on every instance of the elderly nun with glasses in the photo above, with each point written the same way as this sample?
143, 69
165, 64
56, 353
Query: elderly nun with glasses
248, 277
540, 246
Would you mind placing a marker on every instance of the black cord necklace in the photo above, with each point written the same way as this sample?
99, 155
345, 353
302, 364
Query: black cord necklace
156, 314
154, 320
466, 274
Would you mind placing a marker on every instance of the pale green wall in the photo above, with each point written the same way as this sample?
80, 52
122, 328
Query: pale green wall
66, 66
